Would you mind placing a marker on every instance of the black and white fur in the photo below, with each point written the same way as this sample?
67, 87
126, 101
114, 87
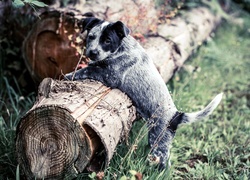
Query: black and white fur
119, 61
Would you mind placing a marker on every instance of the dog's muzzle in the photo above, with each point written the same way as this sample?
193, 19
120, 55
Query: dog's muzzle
93, 54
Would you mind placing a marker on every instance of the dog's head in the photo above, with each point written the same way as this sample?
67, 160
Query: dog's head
103, 38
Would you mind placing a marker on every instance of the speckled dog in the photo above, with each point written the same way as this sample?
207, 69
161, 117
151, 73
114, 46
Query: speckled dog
119, 61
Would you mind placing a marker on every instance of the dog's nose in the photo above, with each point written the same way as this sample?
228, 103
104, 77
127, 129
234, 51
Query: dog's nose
93, 54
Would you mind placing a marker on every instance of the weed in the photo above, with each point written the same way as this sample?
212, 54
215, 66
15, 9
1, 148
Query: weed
12, 107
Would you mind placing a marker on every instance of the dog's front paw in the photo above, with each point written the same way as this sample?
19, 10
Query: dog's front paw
68, 76
77, 75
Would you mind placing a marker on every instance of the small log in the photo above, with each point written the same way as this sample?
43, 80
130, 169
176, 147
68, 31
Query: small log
69, 125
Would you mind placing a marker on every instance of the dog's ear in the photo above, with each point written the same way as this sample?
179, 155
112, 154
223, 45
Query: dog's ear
120, 29
88, 23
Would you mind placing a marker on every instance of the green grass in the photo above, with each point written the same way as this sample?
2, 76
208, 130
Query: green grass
12, 107
217, 148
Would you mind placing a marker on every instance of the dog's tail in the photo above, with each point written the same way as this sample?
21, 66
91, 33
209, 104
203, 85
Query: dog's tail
192, 117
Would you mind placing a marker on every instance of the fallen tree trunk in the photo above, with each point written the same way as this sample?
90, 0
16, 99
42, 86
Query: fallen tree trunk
53, 46
71, 124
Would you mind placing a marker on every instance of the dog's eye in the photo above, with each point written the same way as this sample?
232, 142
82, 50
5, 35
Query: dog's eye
107, 41
91, 37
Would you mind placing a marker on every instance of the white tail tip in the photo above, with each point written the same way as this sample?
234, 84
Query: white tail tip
192, 117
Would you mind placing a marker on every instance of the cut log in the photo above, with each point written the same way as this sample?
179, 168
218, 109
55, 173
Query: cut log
53, 46
141, 16
70, 124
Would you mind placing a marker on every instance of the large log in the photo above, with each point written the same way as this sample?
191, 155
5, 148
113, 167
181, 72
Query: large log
53, 46
70, 124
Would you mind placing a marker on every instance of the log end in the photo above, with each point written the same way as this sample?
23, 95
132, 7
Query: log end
51, 144
53, 46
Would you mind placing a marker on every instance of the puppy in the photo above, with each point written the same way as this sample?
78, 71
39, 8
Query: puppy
119, 61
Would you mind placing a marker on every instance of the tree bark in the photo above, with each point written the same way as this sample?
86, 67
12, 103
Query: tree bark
70, 125
179, 39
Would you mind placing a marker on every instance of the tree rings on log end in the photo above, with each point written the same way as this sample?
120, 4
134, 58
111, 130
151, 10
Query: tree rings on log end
51, 144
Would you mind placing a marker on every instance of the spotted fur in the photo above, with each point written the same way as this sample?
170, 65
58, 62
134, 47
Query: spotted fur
119, 61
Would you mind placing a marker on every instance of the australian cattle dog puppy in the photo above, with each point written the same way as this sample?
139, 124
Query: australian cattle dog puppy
119, 61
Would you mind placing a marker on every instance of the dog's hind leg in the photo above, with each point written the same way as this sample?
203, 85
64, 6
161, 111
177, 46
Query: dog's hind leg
161, 135
160, 149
